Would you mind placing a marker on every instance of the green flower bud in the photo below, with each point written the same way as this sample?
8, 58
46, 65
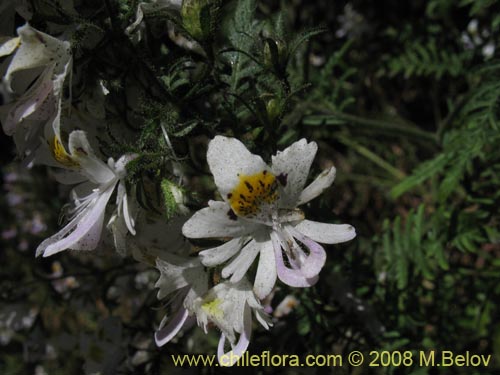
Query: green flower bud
275, 54
273, 108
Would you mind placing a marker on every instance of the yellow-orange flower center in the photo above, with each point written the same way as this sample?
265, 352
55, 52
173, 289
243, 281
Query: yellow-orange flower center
253, 192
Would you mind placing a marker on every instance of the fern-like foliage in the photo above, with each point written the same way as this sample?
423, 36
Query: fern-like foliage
474, 139
411, 249
428, 59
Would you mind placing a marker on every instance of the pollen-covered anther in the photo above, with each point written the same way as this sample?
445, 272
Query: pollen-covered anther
253, 192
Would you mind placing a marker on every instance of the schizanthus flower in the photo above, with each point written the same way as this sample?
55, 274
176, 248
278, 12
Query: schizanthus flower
97, 181
260, 212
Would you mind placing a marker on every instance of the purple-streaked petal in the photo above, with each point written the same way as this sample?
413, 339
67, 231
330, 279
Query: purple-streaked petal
310, 264
326, 233
318, 186
291, 277
294, 164
266, 275
218, 255
168, 332
228, 159
216, 220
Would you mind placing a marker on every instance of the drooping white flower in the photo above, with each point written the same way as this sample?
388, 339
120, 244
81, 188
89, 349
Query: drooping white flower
98, 181
36, 106
189, 280
229, 306
260, 213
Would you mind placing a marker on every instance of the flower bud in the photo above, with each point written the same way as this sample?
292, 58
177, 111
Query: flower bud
275, 54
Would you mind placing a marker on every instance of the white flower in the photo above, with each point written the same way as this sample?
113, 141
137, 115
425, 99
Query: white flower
38, 104
229, 306
90, 198
186, 277
260, 212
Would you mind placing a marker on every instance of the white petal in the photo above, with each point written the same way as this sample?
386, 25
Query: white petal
294, 163
8, 46
56, 237
219, 254
37, 49
240, 265
91, 239
228, 158
119, 230
176, 276
215, 221
92, 167
85, 223
29, 103
230, 358
68, 177
122, 203
318, 186
326, 233
265, 279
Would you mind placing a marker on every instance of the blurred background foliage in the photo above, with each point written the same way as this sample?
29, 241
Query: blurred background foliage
402, 97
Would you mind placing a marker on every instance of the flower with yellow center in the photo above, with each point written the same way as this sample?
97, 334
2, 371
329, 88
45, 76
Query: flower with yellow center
259, 211
227, 305
98, 181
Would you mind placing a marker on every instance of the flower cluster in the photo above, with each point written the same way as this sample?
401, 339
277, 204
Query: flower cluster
35, 79
258, 220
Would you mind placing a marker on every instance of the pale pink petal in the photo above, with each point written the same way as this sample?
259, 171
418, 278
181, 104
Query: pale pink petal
168, 332
312, 263
291, 277
86, 223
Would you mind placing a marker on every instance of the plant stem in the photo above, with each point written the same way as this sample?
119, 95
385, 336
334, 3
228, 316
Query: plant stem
340, 119
372, 157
